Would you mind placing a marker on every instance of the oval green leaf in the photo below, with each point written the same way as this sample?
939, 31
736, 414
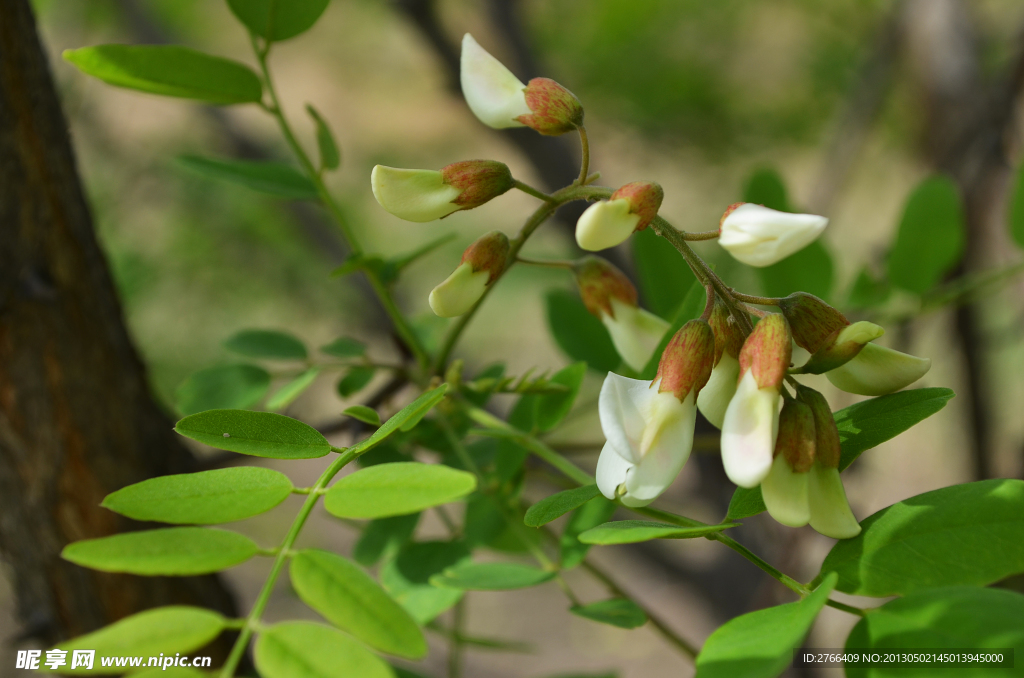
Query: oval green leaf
552, 407
330, 158
972, 618
580, 335
491, 577
355, 380
278, 19
204, 498
260, 434
549, 508
966, 534
344, 347
362, 413
348, 598
166, 630
264, 176
633, 531
308, 650
407, 417
169, 70
395, 489
407, 577
268, 344
930, 239
287, 394
746, 502
225, 387
175, 551
591, 514
620, 612
383, 537
760, 644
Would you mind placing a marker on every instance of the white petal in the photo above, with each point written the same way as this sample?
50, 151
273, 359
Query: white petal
877, 370
785, 494
621, 406
635, 332
749, 430
670, 448
715, 396
413, 195
457, 294
759, 236
605, 224
611, 471
830, 511
494, 95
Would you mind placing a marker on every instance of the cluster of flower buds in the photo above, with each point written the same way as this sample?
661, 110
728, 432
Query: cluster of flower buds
482, 263
648, 425
759, 236
608, 223
611, 297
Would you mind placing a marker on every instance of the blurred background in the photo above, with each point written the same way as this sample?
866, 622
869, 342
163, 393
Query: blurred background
849, 105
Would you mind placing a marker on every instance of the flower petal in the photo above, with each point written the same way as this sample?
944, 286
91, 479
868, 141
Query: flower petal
714, 398
749, 429
878, 370
493, 93
620, 407
635, 332
759, 236
413, 195
605, 224
459, 291
611, 471
785, 494
670, 448
830, 510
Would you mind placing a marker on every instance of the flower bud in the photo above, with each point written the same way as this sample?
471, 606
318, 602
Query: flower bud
785, 488
714, 398
499, 99
811, 320
830, 510
608, 294
767, 351
877, 370
842, 347
826, 434
425, 195
482, 263
608, 223
759, 236
687, 360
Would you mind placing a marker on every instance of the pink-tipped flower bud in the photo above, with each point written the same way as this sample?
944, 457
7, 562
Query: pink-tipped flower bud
785, 488
554, 110
478, 181
488, 253
608, 223
482, 263
767, 351
728, 337
687, 360
715, 397
812, 321
425, 195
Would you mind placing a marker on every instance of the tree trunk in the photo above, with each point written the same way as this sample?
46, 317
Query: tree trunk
77, 419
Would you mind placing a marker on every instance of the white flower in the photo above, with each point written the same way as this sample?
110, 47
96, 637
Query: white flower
494, 95
759, 236
459, 291
877, 370
649, 435
830, 512
412, 194
605, 224
714, 398
785, 494
635, 332
749, 430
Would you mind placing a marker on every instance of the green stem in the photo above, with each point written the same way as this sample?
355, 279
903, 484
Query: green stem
558, 263
585, 159
253, 619
701, 235
401, 326
752, 299
530, 190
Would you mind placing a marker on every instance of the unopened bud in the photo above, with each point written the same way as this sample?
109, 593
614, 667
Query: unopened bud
608, 223
478, 181
600, 282
797, 440
767, 351
826, 433
811, 320
687, 360
759, 236
482, 263
785, 487
425, 195
554, 110
842, 347
488, 253
728, 337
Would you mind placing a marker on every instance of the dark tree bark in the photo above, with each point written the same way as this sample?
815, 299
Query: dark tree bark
77, 420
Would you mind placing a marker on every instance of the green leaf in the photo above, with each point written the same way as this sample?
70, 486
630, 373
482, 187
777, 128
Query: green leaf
470, 576
169, 70
348, 598
408, 416
931, 237
745, 503
662, 274
287, 394
268, 344
549, 508
307, 650
264, 176
345, 347
552, 407
692, 307
580, 335
226, 387
260, 434
964, 534
383, 537
204, 498
278, 19
395, 489
407, 577
176, 551
330, 157
633, 531
365, 414
941, 619
591, 514
867, 292
870, 423
355, 380
166, 630
760, 644
619, 612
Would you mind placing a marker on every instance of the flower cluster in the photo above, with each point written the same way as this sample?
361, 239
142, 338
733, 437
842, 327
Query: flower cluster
777, 433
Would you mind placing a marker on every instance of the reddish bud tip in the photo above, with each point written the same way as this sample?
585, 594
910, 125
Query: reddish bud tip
728, 337
688, 359
599, 283
767, 351
796, 441
729, 210
488, 253
556, 110
812, 321
479, 181
644, 200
